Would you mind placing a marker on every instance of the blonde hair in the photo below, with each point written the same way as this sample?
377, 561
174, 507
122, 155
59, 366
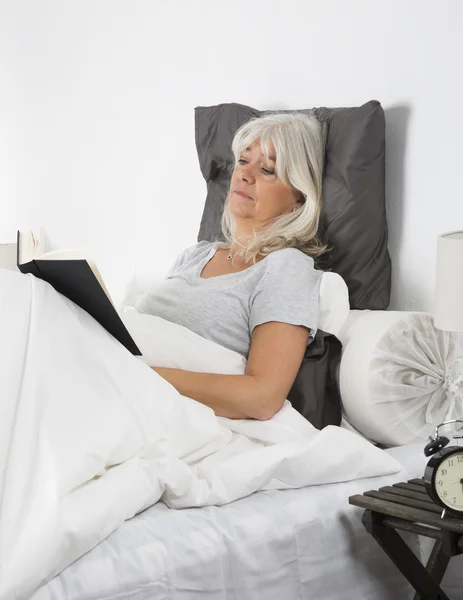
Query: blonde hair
299, 141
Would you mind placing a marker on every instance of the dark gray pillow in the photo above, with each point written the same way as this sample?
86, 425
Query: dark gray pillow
315, 392
353, 217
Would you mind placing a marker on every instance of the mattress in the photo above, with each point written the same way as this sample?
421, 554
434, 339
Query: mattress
294, 544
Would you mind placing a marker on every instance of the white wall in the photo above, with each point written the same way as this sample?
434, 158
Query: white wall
97, 99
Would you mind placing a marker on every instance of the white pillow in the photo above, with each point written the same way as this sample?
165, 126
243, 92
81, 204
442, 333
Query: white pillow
333, 308
400, 377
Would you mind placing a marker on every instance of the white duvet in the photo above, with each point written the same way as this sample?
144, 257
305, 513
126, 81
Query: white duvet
90, 435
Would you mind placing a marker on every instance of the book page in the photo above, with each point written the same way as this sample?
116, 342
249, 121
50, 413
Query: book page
71, 254
31, 246
26, 247
97, 274
42, 243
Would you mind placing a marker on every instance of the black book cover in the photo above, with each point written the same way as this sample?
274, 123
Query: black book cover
76, 280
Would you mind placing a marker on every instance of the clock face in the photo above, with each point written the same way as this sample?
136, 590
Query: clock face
448, 481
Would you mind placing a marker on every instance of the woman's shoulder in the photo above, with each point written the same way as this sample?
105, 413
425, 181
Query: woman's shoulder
191, 254
291, 256
289, 267
202, 247
288, 273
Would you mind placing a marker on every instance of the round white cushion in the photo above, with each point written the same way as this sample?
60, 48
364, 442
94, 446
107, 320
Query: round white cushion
400, 376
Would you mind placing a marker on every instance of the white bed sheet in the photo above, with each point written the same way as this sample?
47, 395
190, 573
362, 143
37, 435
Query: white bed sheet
294, 544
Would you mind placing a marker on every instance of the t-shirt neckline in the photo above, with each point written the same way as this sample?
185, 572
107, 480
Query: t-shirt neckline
208, 257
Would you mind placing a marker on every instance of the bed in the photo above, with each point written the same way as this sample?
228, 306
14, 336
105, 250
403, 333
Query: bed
308, 543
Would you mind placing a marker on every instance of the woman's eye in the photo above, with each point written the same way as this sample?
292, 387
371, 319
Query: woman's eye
243, 161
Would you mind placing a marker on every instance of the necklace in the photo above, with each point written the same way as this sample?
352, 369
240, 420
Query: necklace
231, 255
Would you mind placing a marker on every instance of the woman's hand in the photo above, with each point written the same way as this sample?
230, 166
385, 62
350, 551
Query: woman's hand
208, 388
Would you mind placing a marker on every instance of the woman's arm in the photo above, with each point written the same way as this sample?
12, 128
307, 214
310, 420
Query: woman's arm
276, 353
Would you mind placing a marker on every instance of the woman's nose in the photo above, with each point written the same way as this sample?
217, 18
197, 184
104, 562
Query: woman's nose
247, 173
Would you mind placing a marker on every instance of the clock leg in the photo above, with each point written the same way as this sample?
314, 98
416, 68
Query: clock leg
403, 557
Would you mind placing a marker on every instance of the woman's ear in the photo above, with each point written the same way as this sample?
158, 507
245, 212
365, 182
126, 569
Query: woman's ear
301, 200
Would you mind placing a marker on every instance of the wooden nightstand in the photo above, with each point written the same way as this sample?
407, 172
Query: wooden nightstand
407, 507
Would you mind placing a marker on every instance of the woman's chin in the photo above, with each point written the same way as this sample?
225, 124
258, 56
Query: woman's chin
241, 213
243, 209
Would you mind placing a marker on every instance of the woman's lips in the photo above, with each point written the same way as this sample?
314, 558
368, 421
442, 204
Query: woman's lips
241, 193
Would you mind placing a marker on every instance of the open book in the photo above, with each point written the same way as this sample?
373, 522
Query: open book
73, 274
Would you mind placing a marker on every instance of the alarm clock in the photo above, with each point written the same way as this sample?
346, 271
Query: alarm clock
443, 476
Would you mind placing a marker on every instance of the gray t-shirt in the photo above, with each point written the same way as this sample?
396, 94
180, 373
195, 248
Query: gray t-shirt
283, 286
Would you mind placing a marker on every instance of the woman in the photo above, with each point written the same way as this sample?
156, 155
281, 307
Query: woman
256, 293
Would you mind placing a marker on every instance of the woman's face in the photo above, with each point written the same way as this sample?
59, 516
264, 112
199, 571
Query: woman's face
255, 191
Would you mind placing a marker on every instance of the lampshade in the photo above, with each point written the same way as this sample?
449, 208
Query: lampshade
8, 256
448, 308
